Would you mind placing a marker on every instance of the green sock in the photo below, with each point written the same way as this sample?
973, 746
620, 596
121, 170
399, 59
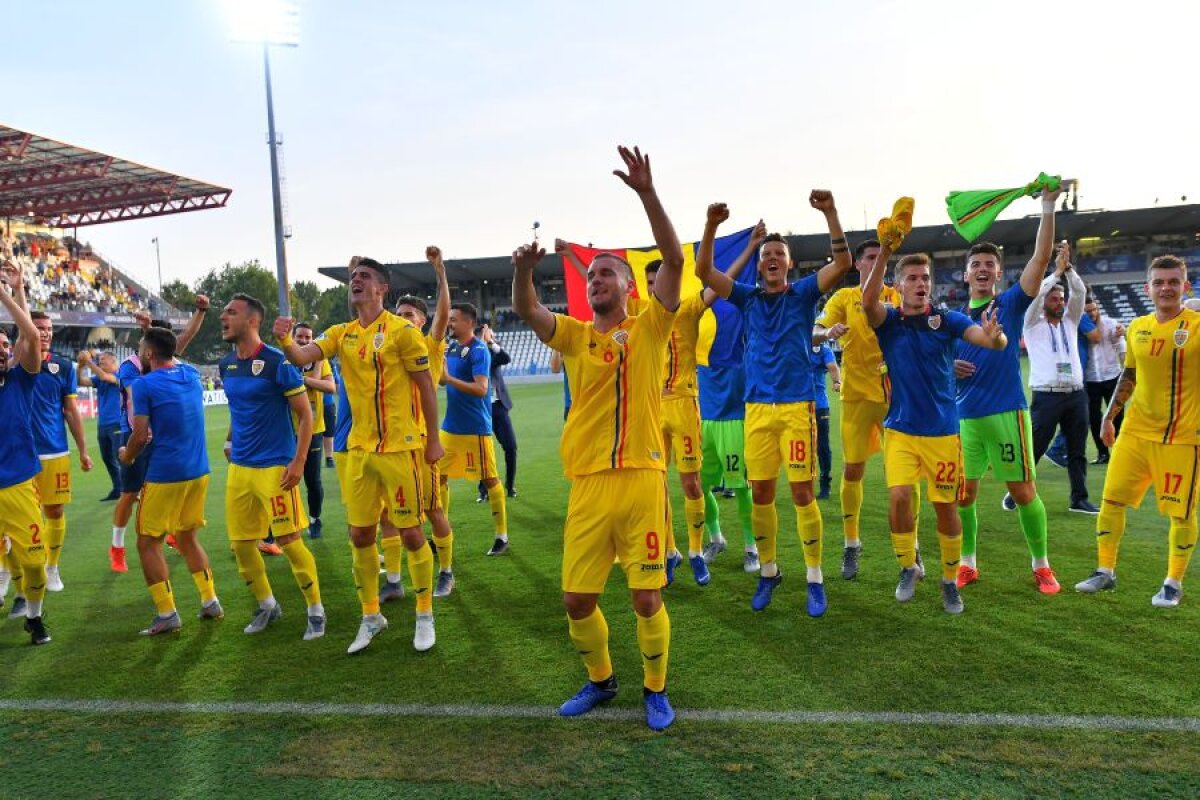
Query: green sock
712, 515
970, 529
745, 506
1033, 525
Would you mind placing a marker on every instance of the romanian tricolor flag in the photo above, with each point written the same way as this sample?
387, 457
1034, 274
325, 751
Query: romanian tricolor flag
721, 336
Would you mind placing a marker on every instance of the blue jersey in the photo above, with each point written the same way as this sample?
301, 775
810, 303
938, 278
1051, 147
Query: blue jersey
997, 385
327, 397
108, 400
919, 353
173, 399
778, 333
466, 413
344, 421
260, 416
18, 460
52, 386
821, 356
722, 392
1086, 326
128, 374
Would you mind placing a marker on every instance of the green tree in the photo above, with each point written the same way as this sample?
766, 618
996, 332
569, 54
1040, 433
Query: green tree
334, 306
306, 298
178, 294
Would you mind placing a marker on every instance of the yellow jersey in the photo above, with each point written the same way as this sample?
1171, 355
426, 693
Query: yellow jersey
635, 305
864, 375
437, 363
316, 398
377, 360
616, 380
1165, 406
680, 368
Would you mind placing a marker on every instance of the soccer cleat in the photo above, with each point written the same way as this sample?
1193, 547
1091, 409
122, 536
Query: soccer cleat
481, 498
850, 562
113, 495
700, 570
391, 591
315, 629
39, 635
116, 559
171, 541
591, 695
445, 584
1008, 503
713, 549
171, 623
53, 580
766, 588
211, 610
1097, 582
951, 599
512, 492
1102, 458
499, 547
750, 562
816, 599
672, 563
1167, 597
1057, 457
659, 714
264, 617
314, 528
328, 462
18, 609
424, 637
968, 575
1045, 580
269, 549
907, 585
823, 494
372, 625
1083, 507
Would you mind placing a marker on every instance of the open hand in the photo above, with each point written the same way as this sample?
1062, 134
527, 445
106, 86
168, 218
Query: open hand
527, 256
638, 177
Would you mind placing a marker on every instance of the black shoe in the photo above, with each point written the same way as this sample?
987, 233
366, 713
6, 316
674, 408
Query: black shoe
823, 494
512, 492
328, 462
1083, 507
113, 495
314, 528
481, 498
1101, 459
499, 547
37, 630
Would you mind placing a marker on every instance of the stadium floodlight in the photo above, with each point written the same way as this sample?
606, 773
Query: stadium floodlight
269, 23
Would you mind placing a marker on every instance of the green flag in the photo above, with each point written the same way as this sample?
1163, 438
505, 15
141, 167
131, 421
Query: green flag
973, 212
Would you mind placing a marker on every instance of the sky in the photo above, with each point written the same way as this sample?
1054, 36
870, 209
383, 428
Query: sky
461, 123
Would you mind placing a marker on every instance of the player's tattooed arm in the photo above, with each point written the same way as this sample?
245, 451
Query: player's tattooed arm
639, 178
1125, 386
441, 314
525, 296
832, 273
715, 281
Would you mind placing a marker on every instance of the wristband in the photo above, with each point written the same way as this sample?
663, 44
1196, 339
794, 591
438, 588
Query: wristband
1047, 206
286, 340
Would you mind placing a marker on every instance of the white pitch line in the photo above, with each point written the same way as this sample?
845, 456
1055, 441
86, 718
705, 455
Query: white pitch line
934, 718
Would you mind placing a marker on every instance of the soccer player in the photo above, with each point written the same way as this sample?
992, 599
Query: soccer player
922, 441
318, 381
780, 413
612, 450
102, 377
54, 411
385, 367
170, 400
267, 459
1160, 438
824, 364
21, 517
993, 415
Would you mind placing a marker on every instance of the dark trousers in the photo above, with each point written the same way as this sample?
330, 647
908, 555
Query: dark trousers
507, 437
1069, 410
312, 480
330, 414
110, 442
1100, 393
824, 454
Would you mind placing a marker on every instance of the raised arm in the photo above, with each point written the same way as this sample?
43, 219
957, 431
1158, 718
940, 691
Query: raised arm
873, 288
193, 326
562, 248
719, 283
27, 349
441, 313
1038, 306
830, 275
1043, 248
756, 239
299, 355
525, 297
639, 178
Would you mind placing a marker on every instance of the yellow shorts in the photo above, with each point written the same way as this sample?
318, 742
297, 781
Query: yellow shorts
862, 429
21, 520
339, 467
378, 481
54, 481
681, 431
467, 456
938, 459
1136, 463
254, 504
783, 433
600, 527
172, 507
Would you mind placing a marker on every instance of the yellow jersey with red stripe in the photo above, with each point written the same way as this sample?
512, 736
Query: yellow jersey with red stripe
377, 360
1166, 402
680, 367
864, 375
616, 380
437, 364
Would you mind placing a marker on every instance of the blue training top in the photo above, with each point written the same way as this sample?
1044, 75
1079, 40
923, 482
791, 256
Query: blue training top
260, 416
822, 356
997, 385
778, 326
465, 413
18, 459
919, 353
173, 399
53, 385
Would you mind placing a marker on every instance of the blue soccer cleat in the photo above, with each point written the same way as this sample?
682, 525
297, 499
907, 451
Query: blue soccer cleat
816, 599
659, 714
591, 695
766, 588
673, 562
700, 570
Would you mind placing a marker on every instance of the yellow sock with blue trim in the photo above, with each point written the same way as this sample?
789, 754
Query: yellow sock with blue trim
590, 637
654, 640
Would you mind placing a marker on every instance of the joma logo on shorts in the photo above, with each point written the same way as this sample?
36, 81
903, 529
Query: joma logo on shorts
651, 567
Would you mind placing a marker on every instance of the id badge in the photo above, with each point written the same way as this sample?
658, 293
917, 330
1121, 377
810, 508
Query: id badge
1064, 370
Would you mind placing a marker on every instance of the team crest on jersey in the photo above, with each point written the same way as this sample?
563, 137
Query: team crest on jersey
1181, 336
464, 352
53, 368
620, 336
378, 340
256, 366
817, 348
935, 321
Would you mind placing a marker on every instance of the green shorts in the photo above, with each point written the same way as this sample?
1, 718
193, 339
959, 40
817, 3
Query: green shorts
724, 453
1004, 441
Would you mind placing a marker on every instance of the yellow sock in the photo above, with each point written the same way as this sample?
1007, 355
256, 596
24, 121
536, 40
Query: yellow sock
251, 568
951, 554
366, 577
28, 574
56, 532
445, 552
499, 509
590, 637
916, 514
304, 567
852, 499
1182, 538
204, 584
393, 557
905, 547
1110, 527
444, 497
420, 569
811, 528
765, 521
693, 512
654, 639
163, 597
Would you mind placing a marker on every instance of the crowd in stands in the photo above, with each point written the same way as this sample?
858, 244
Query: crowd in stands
66, 276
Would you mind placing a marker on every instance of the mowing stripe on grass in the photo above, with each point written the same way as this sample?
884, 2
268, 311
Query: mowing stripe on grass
1059, 721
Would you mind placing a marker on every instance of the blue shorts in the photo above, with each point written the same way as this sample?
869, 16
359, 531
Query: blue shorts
134, 475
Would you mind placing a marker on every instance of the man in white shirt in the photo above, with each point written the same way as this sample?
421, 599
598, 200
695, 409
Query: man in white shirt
1106, 359
1055, 374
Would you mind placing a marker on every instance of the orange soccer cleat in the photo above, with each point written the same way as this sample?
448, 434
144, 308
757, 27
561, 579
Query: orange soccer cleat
270, 549
1045, 580
966, 575
116, 559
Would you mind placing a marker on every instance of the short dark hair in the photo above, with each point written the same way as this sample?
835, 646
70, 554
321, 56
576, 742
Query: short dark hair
1168, 262
466, 308
864, 247
161, 342
985, 248
39, 315
653, 266
415, 302
256, 305
300, 325
776, 237
380, 270
160, 323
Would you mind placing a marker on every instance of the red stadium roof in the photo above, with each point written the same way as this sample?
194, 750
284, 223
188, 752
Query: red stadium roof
66, 186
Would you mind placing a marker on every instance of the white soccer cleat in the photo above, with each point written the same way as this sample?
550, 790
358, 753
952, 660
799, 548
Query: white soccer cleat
424, 637
372, 625
53, 580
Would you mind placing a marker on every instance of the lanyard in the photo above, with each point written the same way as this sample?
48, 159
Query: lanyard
1054, 342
